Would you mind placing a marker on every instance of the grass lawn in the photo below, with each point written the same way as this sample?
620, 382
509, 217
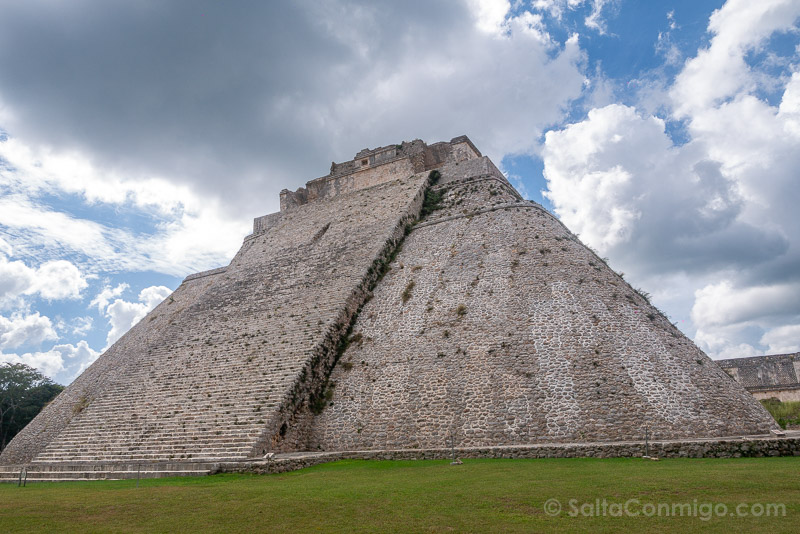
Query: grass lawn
423, 496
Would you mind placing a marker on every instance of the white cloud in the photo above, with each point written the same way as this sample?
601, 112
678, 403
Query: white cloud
122, 314
153, 296
720, 210
25, 330
180, 217
784, 339
489, 14
15, 279
557, 8
5, 248
49, 363
617, 180
533, 25
726, 315
104, 297
724, 304
720, 207
52, 362
486, 85
81, 353
59, 280
720, 71
52, 229
82, 325
595, 20
53, 280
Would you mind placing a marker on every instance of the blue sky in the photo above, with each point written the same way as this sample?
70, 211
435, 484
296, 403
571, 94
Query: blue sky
138, 141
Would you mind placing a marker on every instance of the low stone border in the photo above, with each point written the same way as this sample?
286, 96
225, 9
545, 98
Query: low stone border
701, 448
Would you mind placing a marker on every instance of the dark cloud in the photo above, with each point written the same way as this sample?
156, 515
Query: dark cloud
179, 88
242, 96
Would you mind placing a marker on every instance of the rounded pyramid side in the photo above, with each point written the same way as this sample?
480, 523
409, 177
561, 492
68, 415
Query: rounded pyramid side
497, 326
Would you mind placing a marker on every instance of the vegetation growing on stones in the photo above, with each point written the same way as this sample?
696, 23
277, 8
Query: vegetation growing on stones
82, 404
406, 296
433, 199
319, 402
785, 413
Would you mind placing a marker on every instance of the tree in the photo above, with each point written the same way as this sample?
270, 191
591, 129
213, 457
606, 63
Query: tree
24, 391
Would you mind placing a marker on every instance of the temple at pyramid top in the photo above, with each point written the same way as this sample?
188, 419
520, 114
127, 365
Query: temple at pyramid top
375, 166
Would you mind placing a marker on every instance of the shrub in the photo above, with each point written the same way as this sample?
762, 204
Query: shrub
644, 294
82, 404
432, 202
406, 296
784, 413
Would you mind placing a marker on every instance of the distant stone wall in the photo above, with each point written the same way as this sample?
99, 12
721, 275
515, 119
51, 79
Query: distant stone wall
783, 395
722, 448
773, 376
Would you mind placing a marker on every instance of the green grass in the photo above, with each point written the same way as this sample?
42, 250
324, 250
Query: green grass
783, 412
416, 496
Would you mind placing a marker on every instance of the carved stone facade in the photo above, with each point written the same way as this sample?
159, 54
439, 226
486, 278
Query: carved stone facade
350, 321
775, 376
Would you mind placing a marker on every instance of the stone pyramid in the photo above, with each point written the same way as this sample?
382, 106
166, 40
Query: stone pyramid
409, 299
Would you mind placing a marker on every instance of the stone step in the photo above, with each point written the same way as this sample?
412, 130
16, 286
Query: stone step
188, 439
138, 437
159, 420
94, 444
208, 408
110, 466
63, 472
102, 448
166, 426
124, 455
242, 431
137, 458
206, 427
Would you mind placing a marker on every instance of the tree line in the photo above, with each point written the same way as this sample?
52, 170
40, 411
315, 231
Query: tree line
24, 391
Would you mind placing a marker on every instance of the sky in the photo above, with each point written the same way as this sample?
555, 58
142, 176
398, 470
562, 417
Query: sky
139, 139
